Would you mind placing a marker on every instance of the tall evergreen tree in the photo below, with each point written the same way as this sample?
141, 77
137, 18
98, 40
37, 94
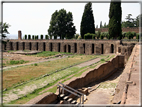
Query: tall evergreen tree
61, 25
101, 24
87, 22
105, 26
115, 14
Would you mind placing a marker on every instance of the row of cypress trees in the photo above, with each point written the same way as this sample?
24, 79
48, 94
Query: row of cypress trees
115, 14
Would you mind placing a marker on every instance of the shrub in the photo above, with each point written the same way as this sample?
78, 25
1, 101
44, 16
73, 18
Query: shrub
107, 36
46, 36
79, 37
129, 35
137, 36
29, 36
76, 36
88, 36
98, 34
102, 36
94, 36
102, 60
123, 35
35, 64
33, 37
41, 36
133, 34
12, 62
25, 37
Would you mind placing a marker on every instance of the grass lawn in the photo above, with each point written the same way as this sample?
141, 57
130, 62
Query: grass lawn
14, 62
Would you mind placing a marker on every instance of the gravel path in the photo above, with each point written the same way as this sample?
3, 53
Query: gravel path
89, 62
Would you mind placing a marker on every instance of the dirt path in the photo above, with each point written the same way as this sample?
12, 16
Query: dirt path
89, 62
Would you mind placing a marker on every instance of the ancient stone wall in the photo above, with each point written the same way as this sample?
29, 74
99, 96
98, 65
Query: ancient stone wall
87, 47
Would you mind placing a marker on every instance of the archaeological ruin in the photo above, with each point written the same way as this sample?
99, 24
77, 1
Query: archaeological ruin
86, 47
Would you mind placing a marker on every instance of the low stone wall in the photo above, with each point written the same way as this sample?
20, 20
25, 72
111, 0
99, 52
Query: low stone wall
100, 72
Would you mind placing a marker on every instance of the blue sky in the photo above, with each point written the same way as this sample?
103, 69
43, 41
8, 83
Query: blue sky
34, 18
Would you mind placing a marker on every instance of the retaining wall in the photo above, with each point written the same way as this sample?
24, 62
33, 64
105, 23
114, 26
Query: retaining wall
97, 74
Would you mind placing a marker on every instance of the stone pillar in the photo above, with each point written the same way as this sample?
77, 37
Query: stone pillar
41, 46
15, 46
98, 48
88, 48
19, 35
72, 48
21, 45
27, 45
47, 46
9, 46
62, 47
34, 46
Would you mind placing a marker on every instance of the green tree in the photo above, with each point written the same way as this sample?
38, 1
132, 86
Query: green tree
62, 25
29, 36
87, 22
76, 36
138, 19
46, 37
105, 26
4, 30
132, 22
41, 36
101, 24
115, 14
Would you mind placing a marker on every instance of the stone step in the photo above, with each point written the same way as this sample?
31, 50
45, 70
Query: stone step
73, 102
62, 96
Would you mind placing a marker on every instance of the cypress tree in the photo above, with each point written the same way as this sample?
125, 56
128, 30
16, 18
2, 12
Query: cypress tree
87, 22
115, 14
101, 24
